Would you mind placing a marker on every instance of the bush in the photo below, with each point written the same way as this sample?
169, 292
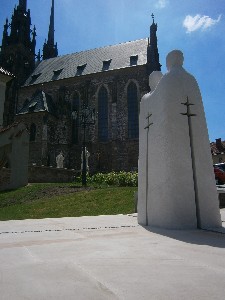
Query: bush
121, 178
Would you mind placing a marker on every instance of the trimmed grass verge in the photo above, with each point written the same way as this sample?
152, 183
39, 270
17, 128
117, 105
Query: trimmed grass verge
38, 201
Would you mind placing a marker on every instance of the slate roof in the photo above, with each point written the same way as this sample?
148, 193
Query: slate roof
40, 101
90, 62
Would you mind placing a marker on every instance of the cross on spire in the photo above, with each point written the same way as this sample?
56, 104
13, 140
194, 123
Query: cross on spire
153, 17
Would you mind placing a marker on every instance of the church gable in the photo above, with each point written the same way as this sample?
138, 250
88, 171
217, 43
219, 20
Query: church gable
40, 101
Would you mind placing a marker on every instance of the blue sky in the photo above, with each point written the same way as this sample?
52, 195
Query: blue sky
196, 27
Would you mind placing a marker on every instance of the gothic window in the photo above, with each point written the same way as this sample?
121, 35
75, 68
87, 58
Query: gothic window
75, 118
103, 115
32, 132
132, 102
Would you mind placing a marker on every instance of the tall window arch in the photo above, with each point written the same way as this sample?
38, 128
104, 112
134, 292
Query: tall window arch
75, 120
32, 132
132, 103
103, 115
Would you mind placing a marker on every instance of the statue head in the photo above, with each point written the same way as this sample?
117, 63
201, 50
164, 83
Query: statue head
154, 79
174, 58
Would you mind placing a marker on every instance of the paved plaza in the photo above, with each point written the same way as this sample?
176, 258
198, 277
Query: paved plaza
108, 257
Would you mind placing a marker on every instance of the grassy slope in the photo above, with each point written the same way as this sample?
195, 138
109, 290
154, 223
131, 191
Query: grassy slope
38, 201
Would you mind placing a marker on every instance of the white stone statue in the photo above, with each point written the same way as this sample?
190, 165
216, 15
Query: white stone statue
87, 155
176, 181
59, 160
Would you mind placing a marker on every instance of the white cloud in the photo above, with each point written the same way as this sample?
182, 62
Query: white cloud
161, 3
199, 22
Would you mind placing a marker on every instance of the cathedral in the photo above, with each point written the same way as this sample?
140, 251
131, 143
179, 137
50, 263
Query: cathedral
89, 97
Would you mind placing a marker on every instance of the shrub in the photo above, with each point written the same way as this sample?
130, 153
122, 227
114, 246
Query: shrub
121, 178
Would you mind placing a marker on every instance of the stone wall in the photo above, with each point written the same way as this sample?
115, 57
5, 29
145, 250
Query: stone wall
118, 153
5, 174
49, 174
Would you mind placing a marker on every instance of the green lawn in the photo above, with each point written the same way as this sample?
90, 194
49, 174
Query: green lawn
38, 201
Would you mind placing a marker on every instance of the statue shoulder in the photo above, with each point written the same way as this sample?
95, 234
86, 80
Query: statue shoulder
145, 97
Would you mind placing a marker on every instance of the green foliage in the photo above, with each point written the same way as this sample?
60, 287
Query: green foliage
65, 200
121, 178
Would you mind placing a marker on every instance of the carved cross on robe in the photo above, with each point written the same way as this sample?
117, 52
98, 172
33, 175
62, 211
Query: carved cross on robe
149, 123
189, 115
147, 118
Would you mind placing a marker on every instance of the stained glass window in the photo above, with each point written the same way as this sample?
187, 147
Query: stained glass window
75, 118
32, 132
132, 103
103, 115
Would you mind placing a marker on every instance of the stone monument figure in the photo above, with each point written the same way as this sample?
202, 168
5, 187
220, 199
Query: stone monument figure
59, 160
87, 155
176, 181
154, 79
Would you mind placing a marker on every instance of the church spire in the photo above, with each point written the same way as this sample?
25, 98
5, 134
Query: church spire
23, 4
152, 50
50, 49
18, 50
51, 27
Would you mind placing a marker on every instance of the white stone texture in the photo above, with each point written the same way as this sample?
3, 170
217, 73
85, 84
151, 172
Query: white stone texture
167, 194
60, 160
87, 155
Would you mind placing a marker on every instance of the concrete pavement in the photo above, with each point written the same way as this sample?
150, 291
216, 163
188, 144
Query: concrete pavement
108, 257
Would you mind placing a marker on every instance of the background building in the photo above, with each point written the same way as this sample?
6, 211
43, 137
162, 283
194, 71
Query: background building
48, 95
218, 151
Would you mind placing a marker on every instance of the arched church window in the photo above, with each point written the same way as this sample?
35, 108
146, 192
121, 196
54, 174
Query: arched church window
132, 103
75, 118
32, 132
103, 115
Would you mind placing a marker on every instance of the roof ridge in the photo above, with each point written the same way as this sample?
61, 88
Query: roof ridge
93, 49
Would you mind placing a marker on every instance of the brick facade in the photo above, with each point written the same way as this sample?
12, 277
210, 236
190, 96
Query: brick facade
53, 133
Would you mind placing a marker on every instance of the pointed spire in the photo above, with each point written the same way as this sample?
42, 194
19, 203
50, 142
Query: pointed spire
23, 4
49, 49
152, 50
33, 42
51, 27
5, 34
153, 29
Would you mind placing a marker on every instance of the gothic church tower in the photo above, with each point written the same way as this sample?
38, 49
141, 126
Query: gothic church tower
17, 55
18, 47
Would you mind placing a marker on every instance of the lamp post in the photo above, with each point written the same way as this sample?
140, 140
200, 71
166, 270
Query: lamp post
86, 118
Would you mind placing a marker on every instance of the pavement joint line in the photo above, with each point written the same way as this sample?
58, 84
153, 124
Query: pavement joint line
214, 231
68, 229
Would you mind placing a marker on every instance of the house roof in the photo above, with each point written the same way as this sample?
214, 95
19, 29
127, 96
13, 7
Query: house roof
217, 147
118, 56
40, 101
